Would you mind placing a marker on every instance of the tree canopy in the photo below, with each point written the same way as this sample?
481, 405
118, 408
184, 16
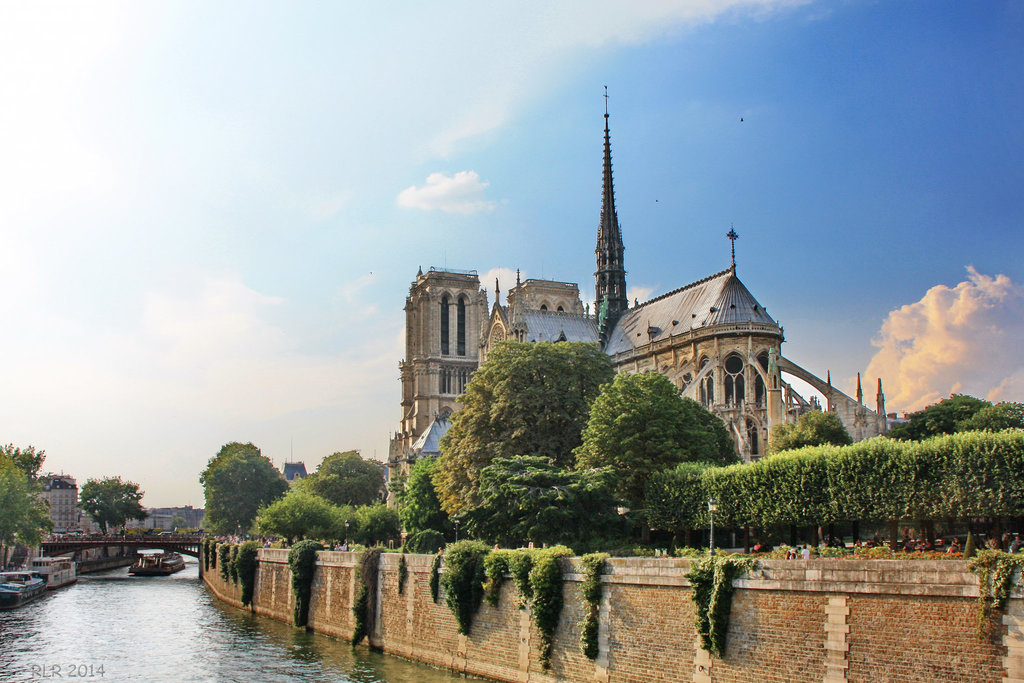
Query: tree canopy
237, 482
347, 479
23, 514
640, 425
994, 418
418, 505
945, 417
527, 498
28, 459
813, 428
377, 524
299, 515
111, 502
525, 399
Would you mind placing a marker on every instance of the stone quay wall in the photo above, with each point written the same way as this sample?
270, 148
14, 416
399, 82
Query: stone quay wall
791, 620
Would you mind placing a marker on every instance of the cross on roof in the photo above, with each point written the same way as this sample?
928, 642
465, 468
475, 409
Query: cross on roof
732, 238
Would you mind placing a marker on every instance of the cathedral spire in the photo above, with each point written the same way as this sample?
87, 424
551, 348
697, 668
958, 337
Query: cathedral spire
860, 392
610, 290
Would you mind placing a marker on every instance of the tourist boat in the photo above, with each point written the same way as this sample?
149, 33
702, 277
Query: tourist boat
17, 588
157, 564
56, 571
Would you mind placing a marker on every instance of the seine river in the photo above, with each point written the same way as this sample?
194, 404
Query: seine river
113, 627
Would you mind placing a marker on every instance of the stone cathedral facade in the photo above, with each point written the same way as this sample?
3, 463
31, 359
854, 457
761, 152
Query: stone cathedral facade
711, 337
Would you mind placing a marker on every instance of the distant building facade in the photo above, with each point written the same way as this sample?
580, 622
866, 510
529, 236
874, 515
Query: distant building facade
293, 471
60, 492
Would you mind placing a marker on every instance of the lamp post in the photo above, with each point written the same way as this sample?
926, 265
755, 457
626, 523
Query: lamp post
456, 521
346, 534
712, 506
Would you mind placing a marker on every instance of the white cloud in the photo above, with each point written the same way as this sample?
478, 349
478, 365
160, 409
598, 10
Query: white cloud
461, 193
955, 339
506, 278
638, 293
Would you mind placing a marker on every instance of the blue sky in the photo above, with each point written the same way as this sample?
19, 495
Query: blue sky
210, 213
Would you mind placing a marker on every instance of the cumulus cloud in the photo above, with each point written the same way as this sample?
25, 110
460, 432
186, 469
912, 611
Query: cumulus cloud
639, 293
506, 278
461, 193
962, 339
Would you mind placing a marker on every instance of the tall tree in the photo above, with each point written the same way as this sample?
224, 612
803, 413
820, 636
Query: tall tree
995, 418
237, 482
525, 399
23, 514
944, 417
28, 459
300, 515
377, 524
111, 501
347, 479
640, 425
813, 428
418, 505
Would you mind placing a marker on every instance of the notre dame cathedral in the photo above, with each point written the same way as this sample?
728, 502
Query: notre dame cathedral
710, 337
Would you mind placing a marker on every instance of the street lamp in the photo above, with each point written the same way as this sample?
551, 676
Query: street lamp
456, 521
712, 506
346, 533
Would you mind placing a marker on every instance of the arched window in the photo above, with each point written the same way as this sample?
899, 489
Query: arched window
734, 380
460, 323
543, 307
560, 309
759, 388
444, 326
707, 386
752, 437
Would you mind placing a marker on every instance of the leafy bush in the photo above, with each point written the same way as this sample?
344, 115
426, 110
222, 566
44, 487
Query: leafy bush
224, 557
590, 596
546, 585
426, 542
711, 582
363, 609
245, 566
463, 580
302, 561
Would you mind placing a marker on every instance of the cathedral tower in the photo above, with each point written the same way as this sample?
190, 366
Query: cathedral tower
610, 276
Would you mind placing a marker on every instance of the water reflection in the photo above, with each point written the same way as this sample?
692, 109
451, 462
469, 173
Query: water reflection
172, 629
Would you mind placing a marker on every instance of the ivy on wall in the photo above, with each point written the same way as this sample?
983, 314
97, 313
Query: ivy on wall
546, 585
590, 595
403, 573
495, 568
435, 577
302, 561
233, 568
463, 580
520, 562
995, 572
245, 565
711, 582
224, 558
364, 607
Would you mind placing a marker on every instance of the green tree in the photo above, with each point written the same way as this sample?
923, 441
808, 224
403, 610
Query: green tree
347, 479
28, 459
111, 502
525, 399
300, 515
237, 482
640, 425
23, 515
944, 417
813, 428
419, 506
377, 524
527, 498
995, 418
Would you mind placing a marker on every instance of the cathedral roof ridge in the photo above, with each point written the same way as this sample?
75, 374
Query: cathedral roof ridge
709, 278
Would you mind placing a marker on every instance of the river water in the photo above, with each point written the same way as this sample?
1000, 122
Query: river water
114, 627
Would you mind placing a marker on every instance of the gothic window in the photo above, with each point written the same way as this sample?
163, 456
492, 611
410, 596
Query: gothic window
733, 380
560, 309
707, 386
460, 322
759, 391
444, 326
752, 437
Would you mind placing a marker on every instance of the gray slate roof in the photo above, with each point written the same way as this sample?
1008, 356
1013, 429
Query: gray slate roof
550, 326
719, 299
428, 443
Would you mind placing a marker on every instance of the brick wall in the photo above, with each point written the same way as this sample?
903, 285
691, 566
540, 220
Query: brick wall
817, 620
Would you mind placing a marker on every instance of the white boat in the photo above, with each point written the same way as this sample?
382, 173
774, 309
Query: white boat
56, 571
17, 588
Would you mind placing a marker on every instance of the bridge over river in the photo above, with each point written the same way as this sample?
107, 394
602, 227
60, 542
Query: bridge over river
62, 545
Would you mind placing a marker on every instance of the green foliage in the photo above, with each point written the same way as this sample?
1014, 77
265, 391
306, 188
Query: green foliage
419, 506
245, 567
520, 564
377, 523
237, 482
463, 580
995, 570
814, 428
640, 425
224, 558
956, 476
347, 479
111, 501
213, 553
945, 417
403, 573
546, 585
233, 564
27, 459
495, 568
711, 591
364, 607
435, 577
527, 498
994, 418
299, 514
590, 596
970, 547
302, 561
425, 542
525, 399
24, 517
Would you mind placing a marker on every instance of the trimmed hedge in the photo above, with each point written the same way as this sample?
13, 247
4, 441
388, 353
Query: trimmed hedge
960, 476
